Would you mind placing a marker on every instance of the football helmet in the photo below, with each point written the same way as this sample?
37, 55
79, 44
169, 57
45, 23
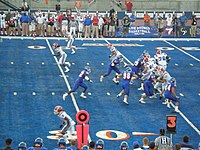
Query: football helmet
61, 141
22, 146
124, 146
173, 80
159, 52
146, 59
145, 53
87, 68
100, 144
58, 109
109, 45
120, 57
85, 147
38, 142
55, 45
128, 69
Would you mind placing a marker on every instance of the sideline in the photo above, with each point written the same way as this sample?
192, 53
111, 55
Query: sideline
103, 39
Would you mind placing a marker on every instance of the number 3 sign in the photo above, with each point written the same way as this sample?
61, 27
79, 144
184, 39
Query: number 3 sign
171, 124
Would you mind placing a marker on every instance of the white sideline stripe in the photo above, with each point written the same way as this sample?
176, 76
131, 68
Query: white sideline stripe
66, 81
182, 50
182, 115
187, 120
103, 39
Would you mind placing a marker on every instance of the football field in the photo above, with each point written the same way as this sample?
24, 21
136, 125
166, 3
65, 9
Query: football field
32, 84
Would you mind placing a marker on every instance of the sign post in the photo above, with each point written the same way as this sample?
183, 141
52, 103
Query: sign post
82, 129
171, 125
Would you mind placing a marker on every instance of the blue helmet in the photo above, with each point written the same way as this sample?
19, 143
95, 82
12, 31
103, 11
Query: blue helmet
120, 57
61, 141
145, 53
38, 142
100, 143
22, 146
172, 79
85, 147
124, 146
128, 69
87, 68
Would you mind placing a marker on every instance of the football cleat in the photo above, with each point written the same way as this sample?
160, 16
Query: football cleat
73, 51
83, 96
168, 105
125, 101
153, 96
142, 101
115, 80
140, 88
64, 96
101, 78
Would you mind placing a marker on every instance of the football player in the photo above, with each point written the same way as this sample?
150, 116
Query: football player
148, 87
60, 52
127, 75
80, 82
114, 65
70, 43
162, 59
170, 94
68, 125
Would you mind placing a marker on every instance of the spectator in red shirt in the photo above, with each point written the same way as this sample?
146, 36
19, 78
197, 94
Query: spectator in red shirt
129, 5
95, 27
60, 17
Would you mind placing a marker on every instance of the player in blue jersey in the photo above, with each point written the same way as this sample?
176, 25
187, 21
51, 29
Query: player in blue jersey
126, 75
170, 94
148, 88
80, 82
38, 145
114, 65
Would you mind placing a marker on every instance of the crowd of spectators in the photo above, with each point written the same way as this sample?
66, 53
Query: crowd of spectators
86, 25
162, 142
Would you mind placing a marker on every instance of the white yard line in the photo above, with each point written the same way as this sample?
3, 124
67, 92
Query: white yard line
63, 74
182, 115
66, 81
181, 50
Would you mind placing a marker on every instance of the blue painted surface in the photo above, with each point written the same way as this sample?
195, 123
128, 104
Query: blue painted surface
25, 117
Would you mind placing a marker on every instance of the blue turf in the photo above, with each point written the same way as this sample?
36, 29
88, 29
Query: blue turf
25, 117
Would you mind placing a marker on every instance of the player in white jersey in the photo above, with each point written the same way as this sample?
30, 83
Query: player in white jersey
60, 52
68, 125
162, 59
149, 64
70, 43
163, 77
80, 26
3, 23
